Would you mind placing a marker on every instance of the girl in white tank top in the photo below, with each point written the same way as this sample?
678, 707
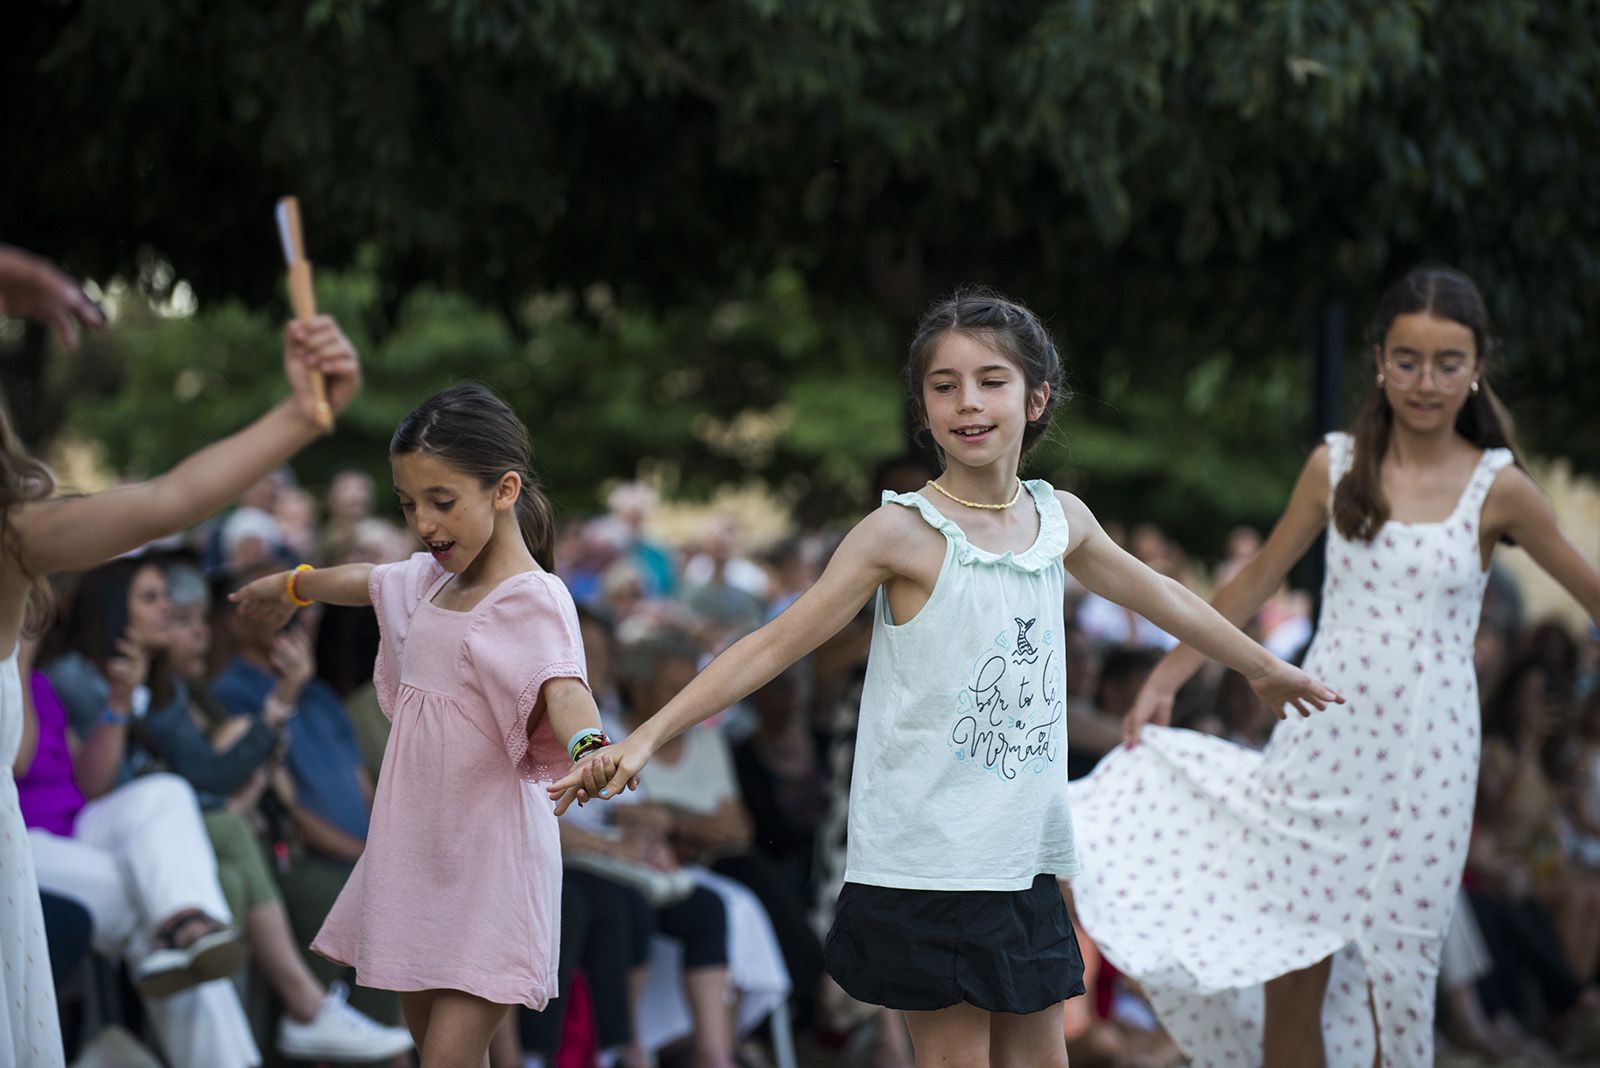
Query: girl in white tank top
959, 826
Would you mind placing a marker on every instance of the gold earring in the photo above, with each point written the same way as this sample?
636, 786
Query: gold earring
1380, 378
1474, 386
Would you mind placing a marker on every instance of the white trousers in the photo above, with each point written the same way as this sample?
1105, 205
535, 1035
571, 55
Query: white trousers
138, 855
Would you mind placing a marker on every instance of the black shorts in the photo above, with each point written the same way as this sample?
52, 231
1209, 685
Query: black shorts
1001, 950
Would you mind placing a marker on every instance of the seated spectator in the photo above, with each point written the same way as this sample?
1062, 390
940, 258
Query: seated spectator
1516, 883
296, 516
1094, 728
262, 497
721, 561
597, 545
136, 856
347, 638
631, 504
351, 496
251, 538
1524, 737
1109, 622
1582, 806
317, 1024
781, 780
607, 924
793, 572
692, 778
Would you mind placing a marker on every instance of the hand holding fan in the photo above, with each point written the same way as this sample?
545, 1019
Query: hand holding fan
301, 295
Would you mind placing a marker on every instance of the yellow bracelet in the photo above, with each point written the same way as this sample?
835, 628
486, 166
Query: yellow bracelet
293, 585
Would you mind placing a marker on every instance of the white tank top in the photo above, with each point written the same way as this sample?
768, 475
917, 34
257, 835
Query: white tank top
960, 779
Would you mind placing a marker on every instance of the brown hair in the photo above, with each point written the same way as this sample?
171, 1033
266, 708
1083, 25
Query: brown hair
1014, 331
23, 479
99, 614
1359, 507
470, 428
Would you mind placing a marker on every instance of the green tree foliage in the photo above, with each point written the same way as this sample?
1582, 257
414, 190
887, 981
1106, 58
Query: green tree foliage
759, 388
1179, 185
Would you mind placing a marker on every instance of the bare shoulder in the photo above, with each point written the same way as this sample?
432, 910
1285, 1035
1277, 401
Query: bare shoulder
1318, 464
1515, 501
1081, 522
890, 527
1514, 487
1072, 506
1315, 476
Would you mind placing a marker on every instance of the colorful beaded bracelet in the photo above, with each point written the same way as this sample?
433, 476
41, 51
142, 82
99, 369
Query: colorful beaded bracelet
293, 585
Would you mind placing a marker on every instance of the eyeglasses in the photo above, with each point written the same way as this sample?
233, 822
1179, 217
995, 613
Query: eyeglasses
1450, 376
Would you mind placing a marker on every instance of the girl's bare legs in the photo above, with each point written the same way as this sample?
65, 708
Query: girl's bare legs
635, 1056
272, 941
416, 1006
893, 1049
1294, 1018
957, 1037
458, 1030
1033, 1040
707, 989
505, 1047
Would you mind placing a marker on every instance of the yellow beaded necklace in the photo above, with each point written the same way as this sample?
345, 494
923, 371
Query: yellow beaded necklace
1015, 497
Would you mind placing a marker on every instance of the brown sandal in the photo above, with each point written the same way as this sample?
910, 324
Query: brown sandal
169, 968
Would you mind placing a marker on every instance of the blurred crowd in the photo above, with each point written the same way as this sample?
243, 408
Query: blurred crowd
179, 754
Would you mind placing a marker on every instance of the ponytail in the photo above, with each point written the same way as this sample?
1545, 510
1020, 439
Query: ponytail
537, 520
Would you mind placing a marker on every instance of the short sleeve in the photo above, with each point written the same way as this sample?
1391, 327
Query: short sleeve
396, 591
527, 637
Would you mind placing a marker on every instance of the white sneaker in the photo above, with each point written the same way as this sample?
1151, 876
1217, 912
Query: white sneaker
340, 1033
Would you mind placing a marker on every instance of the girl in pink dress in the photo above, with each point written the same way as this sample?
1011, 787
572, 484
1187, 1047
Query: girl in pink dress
455, 902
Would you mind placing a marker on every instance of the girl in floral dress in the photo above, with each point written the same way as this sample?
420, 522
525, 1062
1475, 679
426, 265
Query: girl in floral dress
1289, 906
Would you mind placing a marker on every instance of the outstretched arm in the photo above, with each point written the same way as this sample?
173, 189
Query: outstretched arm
1296, 530
268, 596
1105, 568
862, 563
1516, 507
73, 533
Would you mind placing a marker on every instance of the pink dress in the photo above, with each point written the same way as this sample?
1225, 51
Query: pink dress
460, 884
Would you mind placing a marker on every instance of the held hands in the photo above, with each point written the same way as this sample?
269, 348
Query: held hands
605, 773
266, 598
318, 344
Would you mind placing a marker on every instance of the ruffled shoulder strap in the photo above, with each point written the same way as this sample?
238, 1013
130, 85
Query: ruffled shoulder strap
1047, 548
1341, 455
935, 518
1490, 464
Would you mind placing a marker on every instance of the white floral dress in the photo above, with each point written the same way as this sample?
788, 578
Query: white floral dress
30, 1033
1210, 869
